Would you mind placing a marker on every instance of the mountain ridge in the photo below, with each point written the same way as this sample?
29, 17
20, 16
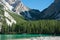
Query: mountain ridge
52, 11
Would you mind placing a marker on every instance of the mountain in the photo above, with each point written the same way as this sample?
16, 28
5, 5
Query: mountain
9, 19
15, 5
17, 18
18, 7
11, 22
53, 11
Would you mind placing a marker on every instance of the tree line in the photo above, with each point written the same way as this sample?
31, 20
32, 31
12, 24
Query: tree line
38, 27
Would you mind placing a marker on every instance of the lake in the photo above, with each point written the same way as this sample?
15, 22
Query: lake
18, 36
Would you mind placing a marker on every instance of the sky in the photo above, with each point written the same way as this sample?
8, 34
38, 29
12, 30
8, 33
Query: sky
37, 4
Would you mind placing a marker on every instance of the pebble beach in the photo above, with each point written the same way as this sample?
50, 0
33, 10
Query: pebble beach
39, 38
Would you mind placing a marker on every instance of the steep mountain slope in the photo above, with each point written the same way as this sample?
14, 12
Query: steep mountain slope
8, 18
53, 11
5, 18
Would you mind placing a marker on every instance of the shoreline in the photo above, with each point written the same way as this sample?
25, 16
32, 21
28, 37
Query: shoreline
40, 38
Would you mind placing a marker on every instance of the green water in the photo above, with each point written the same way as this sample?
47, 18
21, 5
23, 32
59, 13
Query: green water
18, 36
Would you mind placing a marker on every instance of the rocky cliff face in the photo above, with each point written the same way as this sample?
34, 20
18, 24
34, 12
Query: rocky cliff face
18, 6
11, 1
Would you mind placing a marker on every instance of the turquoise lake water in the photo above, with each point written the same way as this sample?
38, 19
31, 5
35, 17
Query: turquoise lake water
18, 36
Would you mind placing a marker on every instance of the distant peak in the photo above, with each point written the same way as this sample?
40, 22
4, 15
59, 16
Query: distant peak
12, 1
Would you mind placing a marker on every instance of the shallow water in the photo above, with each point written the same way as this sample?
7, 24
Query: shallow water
20, 36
